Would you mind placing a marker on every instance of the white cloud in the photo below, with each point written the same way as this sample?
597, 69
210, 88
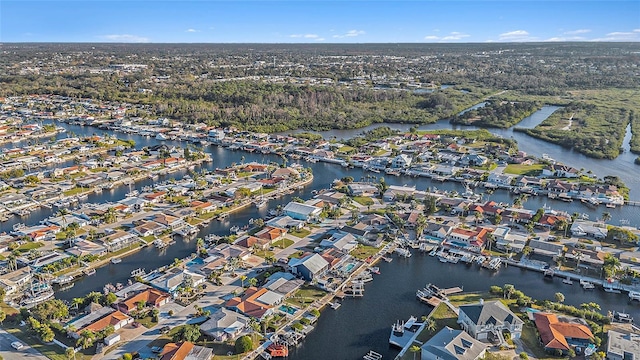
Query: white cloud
350, 33
633, 35
577, 32
305, 36
516, 36
192, 30
566, 38
452, 36
125, 38
319, 39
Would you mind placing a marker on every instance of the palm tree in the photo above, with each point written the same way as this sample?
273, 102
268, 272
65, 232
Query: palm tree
76, 302
415, 349
253, 282
431, 325
70, 353
559, 297
606, 216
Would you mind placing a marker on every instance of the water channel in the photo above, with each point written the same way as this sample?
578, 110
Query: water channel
364, 324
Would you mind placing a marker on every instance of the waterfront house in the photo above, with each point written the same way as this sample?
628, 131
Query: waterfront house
530, 182
340, 240
169, 221
474, 239
394, 192
488, 320
286, 173
148, 228
228, 251
83, 247
174, 278
451, 344
401, 161
546, 248
155, 197
119, 240
254, 302
507, 239
185, 351
15, 280
561, 335
224, 325
98, 320
473, 160
438, 230
362, 189
301, 211
252, 242
623, 345
150, 297
309, 267
589, 228
499, 179
283, 283
285, 222
50, 258
270, 233
560, 170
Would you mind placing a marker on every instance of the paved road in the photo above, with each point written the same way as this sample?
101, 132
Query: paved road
9, 353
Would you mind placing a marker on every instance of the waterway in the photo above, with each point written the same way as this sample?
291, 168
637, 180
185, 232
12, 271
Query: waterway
364, 324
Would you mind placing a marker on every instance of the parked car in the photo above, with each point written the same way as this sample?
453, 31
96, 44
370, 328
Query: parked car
156, 349
17, 345
165, 329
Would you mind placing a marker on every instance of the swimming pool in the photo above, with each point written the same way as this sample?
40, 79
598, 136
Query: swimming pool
347, 268
288, 309
196, 261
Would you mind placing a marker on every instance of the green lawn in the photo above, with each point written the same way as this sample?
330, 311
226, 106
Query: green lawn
263, 253
148, 238
53, 352
30, 246
305, 295
364, 251
74, 191
300, 233
147, 322
529, 338
283, 243
363, 200
519, 169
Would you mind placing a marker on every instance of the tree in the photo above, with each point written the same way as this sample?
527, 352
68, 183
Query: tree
243, 344
253, 282
86, 339
559, 297
188, 333
127, 356
415, 349
431, 325
606, 216
3, 316
110, 298
70, 353
611, 265
527, 250
242, 279
508, 290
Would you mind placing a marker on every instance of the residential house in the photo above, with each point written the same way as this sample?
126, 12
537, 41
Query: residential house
224, 325
169, 221
148, 228
85, 247
401, 161
340, 240
175, 278
362, 189
255, 302
309, 267
473, 160
283, 283
560, 170
500, 179
468, 238
557, 335
185, 351
118, 240
98, 319
150, 297
450, 344
15, 280
589, 228
623, 345
548, 248
488, 320
301, 211
270, 233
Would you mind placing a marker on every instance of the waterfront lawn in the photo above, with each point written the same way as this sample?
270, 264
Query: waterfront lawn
283, 243
209, 215
148, 238
520, 169
363, 200
305, 295
300, 233
362, 252
74, 191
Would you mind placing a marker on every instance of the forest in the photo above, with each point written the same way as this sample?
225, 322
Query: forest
502, 114
280, 87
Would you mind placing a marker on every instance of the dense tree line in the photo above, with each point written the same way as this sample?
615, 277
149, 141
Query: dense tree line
497, 114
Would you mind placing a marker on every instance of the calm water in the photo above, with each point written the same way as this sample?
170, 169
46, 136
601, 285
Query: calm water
364, 324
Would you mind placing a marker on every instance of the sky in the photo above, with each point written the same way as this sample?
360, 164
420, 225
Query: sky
320, 21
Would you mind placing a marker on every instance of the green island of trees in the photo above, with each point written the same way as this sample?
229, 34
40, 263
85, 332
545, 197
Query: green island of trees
500, 114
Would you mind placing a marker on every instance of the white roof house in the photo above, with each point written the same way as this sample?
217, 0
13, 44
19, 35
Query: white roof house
301, 211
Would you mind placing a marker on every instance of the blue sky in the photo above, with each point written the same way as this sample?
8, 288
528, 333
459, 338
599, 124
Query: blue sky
298, 21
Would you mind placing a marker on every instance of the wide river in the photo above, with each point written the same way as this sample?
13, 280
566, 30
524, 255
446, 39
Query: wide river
364, 324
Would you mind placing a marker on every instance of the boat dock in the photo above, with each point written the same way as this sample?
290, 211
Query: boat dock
372, 355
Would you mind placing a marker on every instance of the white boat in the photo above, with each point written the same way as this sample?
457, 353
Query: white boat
634, 295
622, 317
609, 288
587, 285
132, 193
567, 281
37, 299
116, 260
260, 204
161, 137
89, 272
138, 272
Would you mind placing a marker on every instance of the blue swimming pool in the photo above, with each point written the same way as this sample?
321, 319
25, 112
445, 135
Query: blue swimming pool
288, 309
196, 261
347, 268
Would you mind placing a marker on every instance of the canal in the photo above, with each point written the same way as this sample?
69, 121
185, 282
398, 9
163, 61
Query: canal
364, 324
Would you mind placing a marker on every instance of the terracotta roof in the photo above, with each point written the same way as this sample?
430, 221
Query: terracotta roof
149, 296
173, 351
553, 332
248, 303
112, 319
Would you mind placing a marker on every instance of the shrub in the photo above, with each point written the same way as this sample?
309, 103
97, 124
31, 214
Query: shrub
243, 344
